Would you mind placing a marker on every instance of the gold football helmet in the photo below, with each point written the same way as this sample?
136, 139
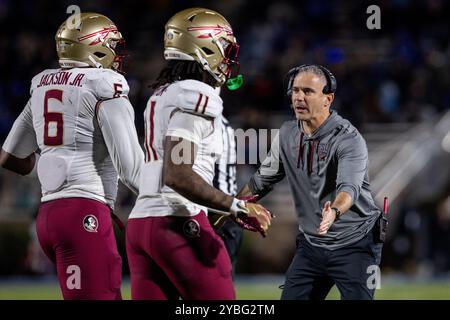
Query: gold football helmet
205, 36
92, 43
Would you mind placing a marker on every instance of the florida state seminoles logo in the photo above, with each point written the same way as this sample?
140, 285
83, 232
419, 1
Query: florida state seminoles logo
99, 36
191, 228
323, 151
90, 223
210, 31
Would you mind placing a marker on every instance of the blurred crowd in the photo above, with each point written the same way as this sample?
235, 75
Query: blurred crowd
399, 73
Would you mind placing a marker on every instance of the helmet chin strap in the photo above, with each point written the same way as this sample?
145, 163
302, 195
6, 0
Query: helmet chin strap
206, 66
77, 64
72, 63
96, 64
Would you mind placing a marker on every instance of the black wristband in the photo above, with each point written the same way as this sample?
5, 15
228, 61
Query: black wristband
338, 212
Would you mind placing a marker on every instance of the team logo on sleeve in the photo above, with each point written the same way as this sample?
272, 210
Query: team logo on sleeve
90, 223
191, 228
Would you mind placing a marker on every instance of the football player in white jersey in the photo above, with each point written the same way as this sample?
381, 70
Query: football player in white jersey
172, 249
80, 118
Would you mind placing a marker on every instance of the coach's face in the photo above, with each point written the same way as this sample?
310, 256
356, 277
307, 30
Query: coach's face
308, 101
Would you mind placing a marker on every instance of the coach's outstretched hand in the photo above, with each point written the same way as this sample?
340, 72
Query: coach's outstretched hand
328, 217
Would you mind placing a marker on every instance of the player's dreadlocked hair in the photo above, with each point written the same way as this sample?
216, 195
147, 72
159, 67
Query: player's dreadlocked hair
176, 70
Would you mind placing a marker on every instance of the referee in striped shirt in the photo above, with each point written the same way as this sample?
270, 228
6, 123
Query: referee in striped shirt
225, 180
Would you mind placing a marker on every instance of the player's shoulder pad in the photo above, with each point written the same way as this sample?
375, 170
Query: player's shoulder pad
37, 78
225, 121
197, 97
107, 84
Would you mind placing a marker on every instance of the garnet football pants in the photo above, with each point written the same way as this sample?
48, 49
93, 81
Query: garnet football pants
172, 257
77, 235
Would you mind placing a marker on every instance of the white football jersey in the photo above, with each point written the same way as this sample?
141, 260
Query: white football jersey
186, 109
83, 133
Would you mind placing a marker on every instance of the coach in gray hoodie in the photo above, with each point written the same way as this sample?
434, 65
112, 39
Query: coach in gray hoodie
325, 160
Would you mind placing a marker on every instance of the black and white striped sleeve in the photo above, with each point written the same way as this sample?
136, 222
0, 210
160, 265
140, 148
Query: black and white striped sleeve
225, 168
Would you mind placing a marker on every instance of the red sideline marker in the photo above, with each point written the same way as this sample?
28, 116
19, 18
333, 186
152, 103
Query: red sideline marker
385, 205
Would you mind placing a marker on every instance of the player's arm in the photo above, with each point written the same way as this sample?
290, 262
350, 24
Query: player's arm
179, 156
116, 120
21, 166
184, 134
192, 97
268, 174
18, 151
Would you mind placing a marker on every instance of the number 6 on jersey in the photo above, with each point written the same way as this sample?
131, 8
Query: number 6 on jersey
53, 135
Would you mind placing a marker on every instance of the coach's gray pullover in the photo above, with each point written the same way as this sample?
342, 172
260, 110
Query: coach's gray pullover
332, 160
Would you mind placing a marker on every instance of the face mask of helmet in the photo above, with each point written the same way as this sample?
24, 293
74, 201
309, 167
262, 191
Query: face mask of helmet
121, 56
229, 66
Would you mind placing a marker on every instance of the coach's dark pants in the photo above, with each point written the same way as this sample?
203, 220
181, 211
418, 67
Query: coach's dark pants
315, 270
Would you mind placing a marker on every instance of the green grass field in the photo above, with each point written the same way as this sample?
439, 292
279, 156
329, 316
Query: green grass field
388, 292
245, 290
